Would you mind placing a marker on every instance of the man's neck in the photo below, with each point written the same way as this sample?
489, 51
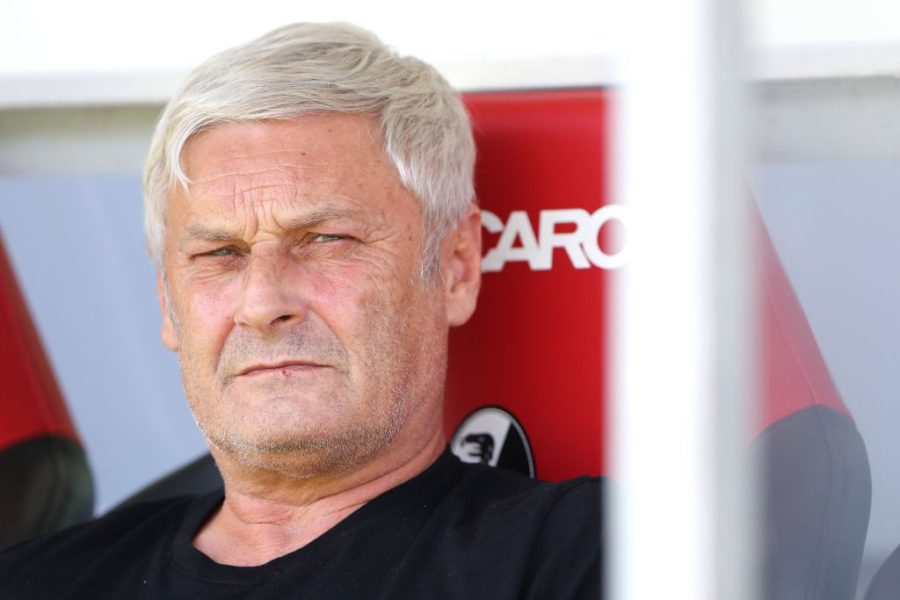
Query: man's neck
257, 524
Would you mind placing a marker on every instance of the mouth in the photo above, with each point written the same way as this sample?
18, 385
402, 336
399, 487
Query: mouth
285, 368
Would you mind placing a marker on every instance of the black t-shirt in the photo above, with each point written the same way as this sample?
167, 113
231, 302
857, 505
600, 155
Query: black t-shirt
454, 531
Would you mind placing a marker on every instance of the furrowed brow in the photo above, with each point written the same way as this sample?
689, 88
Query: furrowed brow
314, 218
204, 233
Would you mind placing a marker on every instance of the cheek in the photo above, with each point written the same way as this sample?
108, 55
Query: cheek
206, 318
361, 307
398, 317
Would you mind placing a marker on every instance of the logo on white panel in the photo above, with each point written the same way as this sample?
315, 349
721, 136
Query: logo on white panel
492, 436
519, 243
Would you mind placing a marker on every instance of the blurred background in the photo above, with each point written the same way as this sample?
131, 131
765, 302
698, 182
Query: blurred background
81, 85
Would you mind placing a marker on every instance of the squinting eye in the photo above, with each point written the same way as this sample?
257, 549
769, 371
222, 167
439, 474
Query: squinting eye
327, 237
225, 251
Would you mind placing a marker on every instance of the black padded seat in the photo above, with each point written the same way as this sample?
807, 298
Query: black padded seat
816, 500
197, 477
47, 486
886, 583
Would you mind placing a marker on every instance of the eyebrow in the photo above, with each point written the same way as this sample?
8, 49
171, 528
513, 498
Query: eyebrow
200, 231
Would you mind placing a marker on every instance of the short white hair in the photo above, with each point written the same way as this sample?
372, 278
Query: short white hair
325, 67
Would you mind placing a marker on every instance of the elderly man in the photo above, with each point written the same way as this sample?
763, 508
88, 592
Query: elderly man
309, 205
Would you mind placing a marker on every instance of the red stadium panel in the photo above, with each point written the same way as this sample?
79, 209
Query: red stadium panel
793, 373
535, 344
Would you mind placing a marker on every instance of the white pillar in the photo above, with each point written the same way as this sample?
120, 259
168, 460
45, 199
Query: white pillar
683, 351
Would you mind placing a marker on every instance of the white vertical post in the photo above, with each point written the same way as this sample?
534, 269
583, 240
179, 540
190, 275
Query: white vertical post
681, 516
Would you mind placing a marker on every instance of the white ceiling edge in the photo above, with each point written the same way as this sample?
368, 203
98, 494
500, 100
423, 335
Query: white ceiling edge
831, 61
148, 87
143, 87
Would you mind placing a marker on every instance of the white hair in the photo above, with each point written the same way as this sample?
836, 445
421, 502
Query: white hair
325, 67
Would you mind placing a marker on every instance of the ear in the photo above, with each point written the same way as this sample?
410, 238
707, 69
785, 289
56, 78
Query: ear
168, 332
461, 267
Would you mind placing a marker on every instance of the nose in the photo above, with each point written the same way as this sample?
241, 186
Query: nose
269, 297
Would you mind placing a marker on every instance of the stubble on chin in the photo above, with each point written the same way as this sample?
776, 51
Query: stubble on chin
363, 428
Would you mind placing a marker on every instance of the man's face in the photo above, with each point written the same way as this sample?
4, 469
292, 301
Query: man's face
307, 340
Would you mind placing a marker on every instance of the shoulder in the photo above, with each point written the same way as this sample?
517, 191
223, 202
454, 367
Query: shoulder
545, 538
113, 525
560, 520
491, 502
499, 490
559, 528
59, 558
475, 501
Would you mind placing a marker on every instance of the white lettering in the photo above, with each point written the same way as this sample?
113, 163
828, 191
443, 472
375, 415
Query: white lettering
582, 245
518, 227
591, 245
571, 241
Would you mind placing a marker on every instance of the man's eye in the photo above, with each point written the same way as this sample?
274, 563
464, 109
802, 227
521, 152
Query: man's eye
224, 251
327, 237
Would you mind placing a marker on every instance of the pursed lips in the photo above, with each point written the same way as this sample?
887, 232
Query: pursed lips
286, 367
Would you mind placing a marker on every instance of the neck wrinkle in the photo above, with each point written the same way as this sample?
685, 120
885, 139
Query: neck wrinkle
252, 527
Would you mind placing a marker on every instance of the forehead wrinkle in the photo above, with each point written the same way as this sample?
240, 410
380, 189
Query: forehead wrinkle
244, 184
289, 170
249, 190
294, 159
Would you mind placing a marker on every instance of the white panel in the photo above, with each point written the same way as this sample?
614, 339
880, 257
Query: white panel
42, 36
682, 348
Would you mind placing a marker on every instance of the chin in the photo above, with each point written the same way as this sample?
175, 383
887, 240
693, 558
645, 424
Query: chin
302, 452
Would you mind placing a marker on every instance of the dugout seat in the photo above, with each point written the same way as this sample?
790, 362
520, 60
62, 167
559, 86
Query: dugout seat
886, 583
45, 481
525, 383
816, 484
